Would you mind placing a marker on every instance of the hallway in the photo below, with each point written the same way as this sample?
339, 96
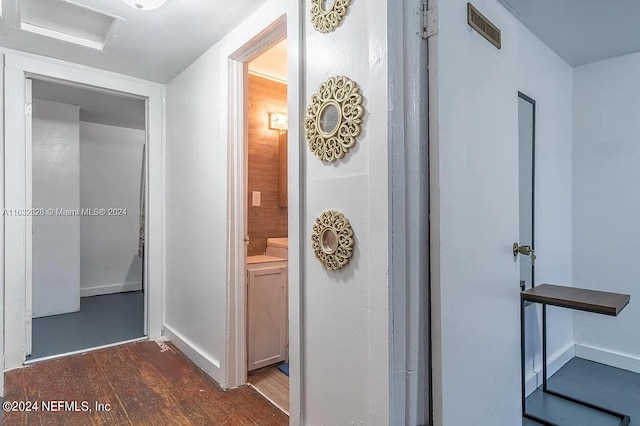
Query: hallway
145, 383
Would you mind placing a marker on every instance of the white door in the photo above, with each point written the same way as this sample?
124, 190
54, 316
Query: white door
475, 198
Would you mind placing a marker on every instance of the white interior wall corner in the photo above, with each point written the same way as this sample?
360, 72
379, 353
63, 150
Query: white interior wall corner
105, 241
605, 216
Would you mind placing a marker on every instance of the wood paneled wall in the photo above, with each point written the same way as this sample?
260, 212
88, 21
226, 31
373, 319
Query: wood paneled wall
269, 220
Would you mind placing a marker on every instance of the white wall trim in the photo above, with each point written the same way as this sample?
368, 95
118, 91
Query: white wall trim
409, 356
18, 66
208, 364
603, 356
2, 222
296, 247
236, 354
110, 289
556, 361
435, 308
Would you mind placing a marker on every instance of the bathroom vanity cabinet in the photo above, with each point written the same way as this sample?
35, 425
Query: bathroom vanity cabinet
266, 311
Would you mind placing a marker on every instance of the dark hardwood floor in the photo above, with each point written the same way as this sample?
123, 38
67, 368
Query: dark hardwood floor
144, 384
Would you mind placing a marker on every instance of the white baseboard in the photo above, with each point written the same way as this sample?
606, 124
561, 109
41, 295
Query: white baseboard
603, 356
530, 382
110, 289
209, 365
556, 361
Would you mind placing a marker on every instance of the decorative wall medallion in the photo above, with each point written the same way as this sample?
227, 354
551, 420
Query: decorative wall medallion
332, 240
326, 15
334, 118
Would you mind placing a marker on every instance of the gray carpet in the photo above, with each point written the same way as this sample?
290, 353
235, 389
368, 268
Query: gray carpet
600, 384
102, 320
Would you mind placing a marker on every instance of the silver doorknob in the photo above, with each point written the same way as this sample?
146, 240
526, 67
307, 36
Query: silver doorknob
523, 250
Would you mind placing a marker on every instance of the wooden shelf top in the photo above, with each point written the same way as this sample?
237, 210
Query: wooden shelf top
599, 302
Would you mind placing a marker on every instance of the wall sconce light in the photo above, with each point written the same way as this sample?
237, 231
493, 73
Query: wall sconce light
145, 4
278, 121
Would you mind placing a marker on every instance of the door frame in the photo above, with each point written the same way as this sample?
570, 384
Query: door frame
529, 379
532, 101
18, 68
286, 26
410, 307
28, 244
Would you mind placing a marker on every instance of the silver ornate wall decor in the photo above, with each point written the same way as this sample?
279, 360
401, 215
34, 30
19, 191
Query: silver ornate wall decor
333, 118
332, 240
326, 15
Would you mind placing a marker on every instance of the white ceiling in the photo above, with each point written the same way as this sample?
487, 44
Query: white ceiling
582, 31
154, 45
95, 106
272, 63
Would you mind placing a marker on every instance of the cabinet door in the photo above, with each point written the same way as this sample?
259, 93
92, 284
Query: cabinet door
267, 317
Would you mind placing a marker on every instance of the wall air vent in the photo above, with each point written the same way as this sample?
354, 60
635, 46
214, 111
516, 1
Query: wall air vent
482, 25
67, 21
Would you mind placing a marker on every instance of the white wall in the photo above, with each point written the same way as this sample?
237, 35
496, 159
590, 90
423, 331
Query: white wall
606, 154
474, 209
196, 190
346, 312
546, 78
345, 322
110, 177
56, 185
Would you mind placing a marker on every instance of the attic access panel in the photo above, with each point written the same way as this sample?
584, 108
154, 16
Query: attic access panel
67, 21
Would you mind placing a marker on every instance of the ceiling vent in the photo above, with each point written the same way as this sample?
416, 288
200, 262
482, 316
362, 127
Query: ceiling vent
482, 25
67, 21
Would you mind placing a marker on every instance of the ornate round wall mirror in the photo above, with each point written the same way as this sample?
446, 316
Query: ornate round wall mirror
326, 15
332, 240
333, 118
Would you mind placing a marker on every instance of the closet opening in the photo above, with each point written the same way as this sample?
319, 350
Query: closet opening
85, 242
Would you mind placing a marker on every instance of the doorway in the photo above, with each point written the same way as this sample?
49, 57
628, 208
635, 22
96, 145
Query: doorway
241, 200
86, 184
266, 222
17, 69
